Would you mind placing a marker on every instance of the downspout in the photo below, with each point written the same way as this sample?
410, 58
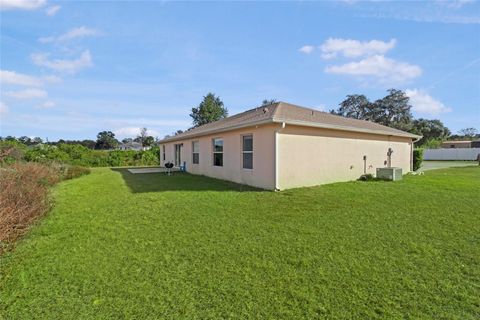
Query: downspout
411, 152
277, 187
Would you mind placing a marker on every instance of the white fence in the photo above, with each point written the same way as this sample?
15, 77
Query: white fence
451, 154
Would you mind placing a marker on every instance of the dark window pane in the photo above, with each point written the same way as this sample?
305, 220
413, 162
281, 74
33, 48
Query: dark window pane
248, 160
247, 143
218, 145
196, 158
218, 159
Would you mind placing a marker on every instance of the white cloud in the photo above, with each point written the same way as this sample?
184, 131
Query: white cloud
387, 71
51, 11
354, 48
132, 132
66, 66
11, 77
21, 4
46, 105
3, 108
27, 94
307, 49
424, 103
80, 32
15, 78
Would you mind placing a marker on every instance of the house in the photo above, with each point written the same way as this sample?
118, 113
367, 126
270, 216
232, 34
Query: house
456, 144
283, 146
130, 146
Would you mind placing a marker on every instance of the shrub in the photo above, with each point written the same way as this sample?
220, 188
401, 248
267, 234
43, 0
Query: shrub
366, 177
23, 197
417, 158
432, 144
11, 151
72, 172
76, 154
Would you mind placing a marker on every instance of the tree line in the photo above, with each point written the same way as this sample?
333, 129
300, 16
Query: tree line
393, 110
106, 140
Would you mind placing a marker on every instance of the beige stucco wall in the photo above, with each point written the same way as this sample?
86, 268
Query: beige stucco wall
262, 174
313, 156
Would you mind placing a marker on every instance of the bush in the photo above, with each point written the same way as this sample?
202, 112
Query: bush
82, 156
417, 158
366, 177
11, 151
432, 144
23, 197
72, 172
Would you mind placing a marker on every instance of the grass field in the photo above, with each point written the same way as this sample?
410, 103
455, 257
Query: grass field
123, 246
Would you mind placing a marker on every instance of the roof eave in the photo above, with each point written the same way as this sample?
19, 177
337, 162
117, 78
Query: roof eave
213, 131
344, 128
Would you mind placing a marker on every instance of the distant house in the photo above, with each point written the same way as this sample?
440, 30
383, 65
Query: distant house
456, 144
283, 146
130, 146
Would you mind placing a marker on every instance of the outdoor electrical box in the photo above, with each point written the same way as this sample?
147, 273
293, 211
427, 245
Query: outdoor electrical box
393, 173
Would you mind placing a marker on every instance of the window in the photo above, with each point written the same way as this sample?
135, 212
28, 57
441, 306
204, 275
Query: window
218, 152
247, 151
195, 152
163, 152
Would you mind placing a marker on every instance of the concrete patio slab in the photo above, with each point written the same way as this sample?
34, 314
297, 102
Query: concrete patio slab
148, 170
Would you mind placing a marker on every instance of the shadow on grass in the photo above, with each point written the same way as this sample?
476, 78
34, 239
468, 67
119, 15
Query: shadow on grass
178, 181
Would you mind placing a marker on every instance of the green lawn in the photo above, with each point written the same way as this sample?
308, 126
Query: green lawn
123, 246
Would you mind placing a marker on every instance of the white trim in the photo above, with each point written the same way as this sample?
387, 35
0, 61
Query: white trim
344, 128
217, 152
292, 122
242, 152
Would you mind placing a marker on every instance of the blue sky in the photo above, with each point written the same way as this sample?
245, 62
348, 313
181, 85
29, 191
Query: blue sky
72, 69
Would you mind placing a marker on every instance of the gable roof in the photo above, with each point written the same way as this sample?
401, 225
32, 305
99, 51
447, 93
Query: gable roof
282, 112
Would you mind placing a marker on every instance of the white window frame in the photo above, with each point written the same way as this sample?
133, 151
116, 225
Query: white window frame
215, 152
163, 152
243, 151
195, 153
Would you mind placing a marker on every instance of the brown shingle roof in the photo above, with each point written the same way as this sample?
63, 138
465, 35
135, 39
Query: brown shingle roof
290, 114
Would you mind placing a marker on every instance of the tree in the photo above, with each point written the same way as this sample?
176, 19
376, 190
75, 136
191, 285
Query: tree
127, 140
468, 132
144, 138
355, 106
267, 102
209, 110
37, 140
393, 110
432, 131
106, 140
148, 141
88, 143
25, 140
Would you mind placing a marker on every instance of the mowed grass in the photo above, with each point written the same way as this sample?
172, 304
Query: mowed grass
148, 246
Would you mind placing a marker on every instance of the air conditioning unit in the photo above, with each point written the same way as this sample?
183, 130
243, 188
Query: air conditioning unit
393, 173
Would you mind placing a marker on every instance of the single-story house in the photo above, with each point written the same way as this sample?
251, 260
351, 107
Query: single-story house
456, 144
137, 146
281, 146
